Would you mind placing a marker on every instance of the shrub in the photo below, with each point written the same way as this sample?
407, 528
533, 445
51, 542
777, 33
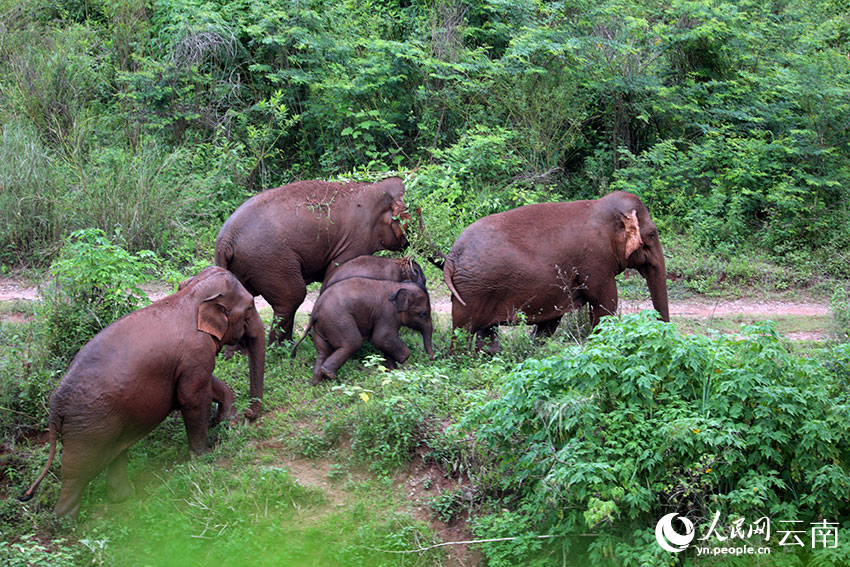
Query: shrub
94, 283
643, 420
385, 432
840, 306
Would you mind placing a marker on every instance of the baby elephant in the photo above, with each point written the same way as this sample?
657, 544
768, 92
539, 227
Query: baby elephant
132, 374
358, 308
376, 268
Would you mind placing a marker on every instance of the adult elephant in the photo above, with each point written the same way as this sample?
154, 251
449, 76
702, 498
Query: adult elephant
131, 375
282, 239
546, 259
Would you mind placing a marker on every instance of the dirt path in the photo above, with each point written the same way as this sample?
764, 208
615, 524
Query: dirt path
14, 290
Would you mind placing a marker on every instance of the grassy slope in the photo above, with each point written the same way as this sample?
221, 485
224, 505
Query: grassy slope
328, 475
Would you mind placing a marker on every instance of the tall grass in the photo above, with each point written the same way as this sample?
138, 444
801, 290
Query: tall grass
142, 195
28, 195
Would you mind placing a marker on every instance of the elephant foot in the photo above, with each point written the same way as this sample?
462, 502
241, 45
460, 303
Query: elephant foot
119, 493
324, 374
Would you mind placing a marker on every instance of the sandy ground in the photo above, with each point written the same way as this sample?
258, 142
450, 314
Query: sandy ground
11, 290
697, 309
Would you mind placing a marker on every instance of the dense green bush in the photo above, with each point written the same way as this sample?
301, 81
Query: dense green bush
94, 282
840, 306
641, 421
162, 118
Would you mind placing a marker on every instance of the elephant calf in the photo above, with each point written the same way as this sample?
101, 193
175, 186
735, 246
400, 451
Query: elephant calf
355, 309
132, 374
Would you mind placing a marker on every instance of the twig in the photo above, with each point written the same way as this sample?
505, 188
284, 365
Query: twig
19, 413
468, 542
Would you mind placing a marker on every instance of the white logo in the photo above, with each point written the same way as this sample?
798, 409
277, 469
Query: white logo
671, 540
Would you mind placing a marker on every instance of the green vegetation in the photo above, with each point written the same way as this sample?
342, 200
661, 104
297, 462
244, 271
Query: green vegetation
130, 130
160, 118
93, 282
642, 420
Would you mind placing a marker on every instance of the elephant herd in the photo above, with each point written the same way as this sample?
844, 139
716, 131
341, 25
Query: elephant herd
530, 264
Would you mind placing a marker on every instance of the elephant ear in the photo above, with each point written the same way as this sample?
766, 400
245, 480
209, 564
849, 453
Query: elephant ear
401, 299
213, 317
395, 190
631, 234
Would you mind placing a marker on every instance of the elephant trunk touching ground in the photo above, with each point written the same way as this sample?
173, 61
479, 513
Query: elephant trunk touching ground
255, 343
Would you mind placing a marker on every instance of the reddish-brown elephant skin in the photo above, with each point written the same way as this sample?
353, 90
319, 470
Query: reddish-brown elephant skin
377, 268
546, 259
358, 309
132, 374
282, 239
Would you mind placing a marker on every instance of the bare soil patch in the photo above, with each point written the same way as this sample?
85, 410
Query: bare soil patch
421, 482
700, 309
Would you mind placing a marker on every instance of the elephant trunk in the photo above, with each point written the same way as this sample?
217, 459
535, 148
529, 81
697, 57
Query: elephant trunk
255, 341
426, 341
656, 279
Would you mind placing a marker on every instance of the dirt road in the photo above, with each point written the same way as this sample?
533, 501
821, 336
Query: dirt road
14, 290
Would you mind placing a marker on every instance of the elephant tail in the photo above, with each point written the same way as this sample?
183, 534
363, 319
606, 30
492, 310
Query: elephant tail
223, 253
448, 273
53, 434
304, 336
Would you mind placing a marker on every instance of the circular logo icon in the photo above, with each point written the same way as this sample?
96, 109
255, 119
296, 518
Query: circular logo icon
671, 540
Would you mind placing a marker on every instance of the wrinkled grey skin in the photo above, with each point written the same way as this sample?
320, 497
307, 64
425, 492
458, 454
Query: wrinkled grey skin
358, 309
546, 259
131, 375
282, 239
377, 268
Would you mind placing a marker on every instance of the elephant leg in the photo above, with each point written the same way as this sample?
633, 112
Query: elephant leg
71, 495
194, 397
545, 329
82, 459
285, 300
118, 487
487, 339
393, 348
323, 350
337, 358
223, 396
602, 300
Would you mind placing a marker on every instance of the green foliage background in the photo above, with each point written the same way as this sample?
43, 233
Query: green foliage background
129, 129
160, 117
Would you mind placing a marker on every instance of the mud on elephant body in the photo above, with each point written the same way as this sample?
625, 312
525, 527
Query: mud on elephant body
358, 309
377, 268
282, 239
546, 259
131, 375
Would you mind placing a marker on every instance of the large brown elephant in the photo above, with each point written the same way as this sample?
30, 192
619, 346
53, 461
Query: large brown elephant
546, 259
282, 239
132, 374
